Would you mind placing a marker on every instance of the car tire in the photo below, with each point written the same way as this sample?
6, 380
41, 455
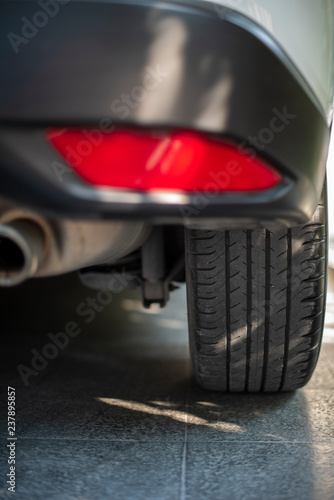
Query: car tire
256, 304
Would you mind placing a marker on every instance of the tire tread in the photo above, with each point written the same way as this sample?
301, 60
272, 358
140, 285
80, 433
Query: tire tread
256, 303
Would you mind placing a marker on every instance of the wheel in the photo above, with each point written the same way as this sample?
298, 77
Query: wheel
256, 302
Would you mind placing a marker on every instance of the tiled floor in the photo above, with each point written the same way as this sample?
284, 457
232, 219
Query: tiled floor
117, 415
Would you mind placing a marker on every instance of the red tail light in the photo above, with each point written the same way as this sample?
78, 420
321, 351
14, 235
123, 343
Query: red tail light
141, 161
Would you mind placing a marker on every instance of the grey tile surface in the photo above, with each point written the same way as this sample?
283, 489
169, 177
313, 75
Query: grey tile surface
117, 414
95, 469
274, 471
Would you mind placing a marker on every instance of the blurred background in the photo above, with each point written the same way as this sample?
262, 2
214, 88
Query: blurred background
330, 177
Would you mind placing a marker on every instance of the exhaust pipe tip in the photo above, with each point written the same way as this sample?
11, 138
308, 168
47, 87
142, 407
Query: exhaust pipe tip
22, 245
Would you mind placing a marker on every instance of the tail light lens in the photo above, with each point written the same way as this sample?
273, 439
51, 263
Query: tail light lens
144, 161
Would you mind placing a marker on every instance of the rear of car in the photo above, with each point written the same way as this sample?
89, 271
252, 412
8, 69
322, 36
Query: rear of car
176, 141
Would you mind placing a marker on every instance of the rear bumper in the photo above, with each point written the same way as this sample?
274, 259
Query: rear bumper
204, 70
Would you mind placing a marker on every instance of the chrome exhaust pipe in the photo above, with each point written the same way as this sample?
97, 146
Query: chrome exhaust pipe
32, 246
22, 246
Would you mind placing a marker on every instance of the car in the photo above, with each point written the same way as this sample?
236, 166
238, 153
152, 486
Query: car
147, 143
